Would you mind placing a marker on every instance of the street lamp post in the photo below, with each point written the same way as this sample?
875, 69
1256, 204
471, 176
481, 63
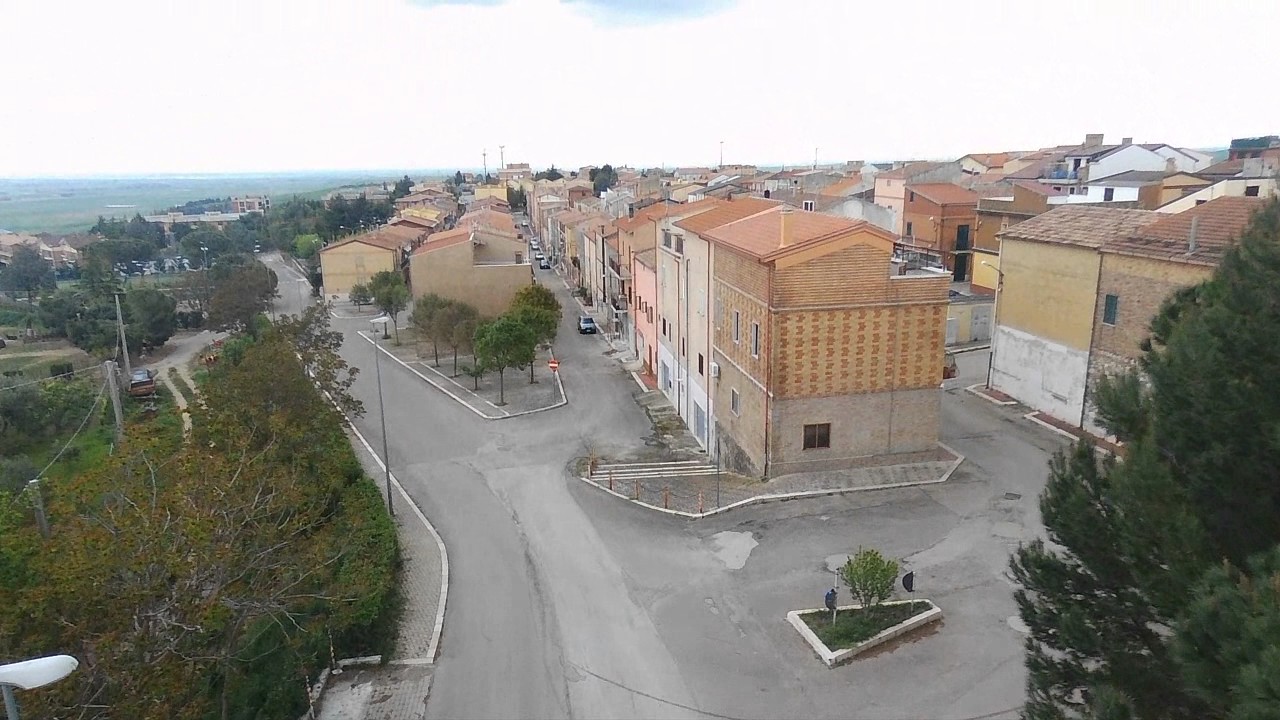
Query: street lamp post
995, 316
32, 674
382, 415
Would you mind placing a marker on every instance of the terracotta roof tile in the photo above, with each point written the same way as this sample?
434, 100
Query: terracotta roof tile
1219, 223
387, 238
909, 170
761, 235
446, 238
841, 188
726, 212
1081, 225
945, 193
647, 257
490, 218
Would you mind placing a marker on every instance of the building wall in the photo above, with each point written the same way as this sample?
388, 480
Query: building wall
497, 249
969, 320
449, 272
671, 309
882, 423
1049, 291
1227, 188
859, 209
890, 194
646, 307
497, 192
1141, 286
986, 271
1133, 157
1039, 372
740, 435
353, 263
697, 262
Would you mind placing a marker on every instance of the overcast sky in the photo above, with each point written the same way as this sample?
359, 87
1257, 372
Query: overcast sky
140, 86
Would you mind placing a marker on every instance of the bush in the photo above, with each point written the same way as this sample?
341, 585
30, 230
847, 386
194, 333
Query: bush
58, 369
870, 577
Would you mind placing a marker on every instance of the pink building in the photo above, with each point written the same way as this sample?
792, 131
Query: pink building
645, 282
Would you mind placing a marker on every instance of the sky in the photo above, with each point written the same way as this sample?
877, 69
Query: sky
205, 86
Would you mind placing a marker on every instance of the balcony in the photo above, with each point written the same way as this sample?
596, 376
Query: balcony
1061, 173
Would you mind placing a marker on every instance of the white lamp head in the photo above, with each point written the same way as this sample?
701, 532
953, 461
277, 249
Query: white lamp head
31, 674
380, 320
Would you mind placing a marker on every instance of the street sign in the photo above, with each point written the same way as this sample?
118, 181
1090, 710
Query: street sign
909, 581
553, 364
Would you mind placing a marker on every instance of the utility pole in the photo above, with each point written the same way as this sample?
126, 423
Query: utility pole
109, 368
484, 155
502, 157
721, 154
124, 344
815, 158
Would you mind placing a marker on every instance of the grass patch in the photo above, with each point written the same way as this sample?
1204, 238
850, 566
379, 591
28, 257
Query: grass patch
185, 390
854, 626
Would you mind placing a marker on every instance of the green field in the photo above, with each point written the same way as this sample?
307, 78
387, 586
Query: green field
62, 205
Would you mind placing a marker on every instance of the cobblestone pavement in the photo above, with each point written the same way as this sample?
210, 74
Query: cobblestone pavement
394, 692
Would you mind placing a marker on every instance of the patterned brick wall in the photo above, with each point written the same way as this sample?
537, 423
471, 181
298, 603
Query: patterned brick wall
859, 350
1141, 286
858, 274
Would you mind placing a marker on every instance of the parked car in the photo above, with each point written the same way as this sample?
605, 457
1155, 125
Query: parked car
543, 264
586, 325
142, 383
534, 244
539, 256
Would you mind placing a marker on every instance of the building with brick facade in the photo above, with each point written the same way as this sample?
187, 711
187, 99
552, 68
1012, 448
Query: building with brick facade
473, 264
1080, 287
823, 354
1140, 272
941, 217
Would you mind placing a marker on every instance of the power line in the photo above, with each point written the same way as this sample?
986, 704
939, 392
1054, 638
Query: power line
93, 408
28, 383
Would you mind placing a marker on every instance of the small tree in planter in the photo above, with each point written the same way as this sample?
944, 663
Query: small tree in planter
870, 577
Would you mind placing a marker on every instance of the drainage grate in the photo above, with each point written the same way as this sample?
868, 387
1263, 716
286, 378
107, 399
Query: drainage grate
1012, 496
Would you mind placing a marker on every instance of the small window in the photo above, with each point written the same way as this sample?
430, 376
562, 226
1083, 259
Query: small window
681, 347
755, 340
1110, 309
913, 196
1201, 202
680, 244
666, 239
909, 234
737, 326
817, 436
808, 205
1251, 191
735, 402
1109, 194
700, 363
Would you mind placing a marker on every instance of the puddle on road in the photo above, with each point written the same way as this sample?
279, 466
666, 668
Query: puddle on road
733, 548
908, 638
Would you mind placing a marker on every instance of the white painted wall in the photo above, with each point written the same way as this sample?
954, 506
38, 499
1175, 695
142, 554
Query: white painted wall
1227, 188
1130, 157
1045, 375
672, 372
1185, 160
859, 209
1098, 193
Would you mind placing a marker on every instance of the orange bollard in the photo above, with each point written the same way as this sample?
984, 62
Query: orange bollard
699, 502
666, 498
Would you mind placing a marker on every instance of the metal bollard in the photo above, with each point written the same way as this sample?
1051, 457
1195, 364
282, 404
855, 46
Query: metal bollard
610, 479
700, 502
637, 497
666, 498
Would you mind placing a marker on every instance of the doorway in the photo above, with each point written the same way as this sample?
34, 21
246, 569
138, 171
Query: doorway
961, 272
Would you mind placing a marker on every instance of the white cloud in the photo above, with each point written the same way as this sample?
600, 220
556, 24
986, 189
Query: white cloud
158, 86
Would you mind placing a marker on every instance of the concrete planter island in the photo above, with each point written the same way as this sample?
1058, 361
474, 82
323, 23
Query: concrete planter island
931, 614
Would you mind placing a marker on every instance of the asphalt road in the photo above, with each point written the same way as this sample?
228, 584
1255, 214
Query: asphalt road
565, 602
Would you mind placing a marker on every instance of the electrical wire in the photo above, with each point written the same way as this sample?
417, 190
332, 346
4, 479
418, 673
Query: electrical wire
101, 391
28, 383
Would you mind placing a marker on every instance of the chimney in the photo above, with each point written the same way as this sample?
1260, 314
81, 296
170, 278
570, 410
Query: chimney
1191, 236
1126, 141
1170, 166
1093, 139
631, 210
785, 230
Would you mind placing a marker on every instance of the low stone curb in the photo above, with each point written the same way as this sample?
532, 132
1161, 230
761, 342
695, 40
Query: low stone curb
833, 658
564, 398
977, 389
782, 497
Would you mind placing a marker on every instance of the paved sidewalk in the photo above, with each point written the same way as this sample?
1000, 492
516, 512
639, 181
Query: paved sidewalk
397, 690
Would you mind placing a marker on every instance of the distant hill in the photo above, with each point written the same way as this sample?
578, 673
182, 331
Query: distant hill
61, 205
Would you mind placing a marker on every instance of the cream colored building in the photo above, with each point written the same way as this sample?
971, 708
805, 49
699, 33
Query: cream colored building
476, 266
358, 258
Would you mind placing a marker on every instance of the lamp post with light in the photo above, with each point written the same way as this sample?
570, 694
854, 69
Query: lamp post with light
32, 674
382, 415
995, 316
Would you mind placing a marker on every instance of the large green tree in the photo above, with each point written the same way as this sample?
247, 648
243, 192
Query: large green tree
153, 315
1116, 629
240, 297
391, 296
456, 324
503, 344
426, 309
27, 273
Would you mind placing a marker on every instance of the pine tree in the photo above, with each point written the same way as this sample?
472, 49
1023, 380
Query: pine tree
1115, 632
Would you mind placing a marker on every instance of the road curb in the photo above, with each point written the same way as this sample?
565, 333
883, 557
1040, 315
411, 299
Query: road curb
564, 398
783, 497
977, 389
